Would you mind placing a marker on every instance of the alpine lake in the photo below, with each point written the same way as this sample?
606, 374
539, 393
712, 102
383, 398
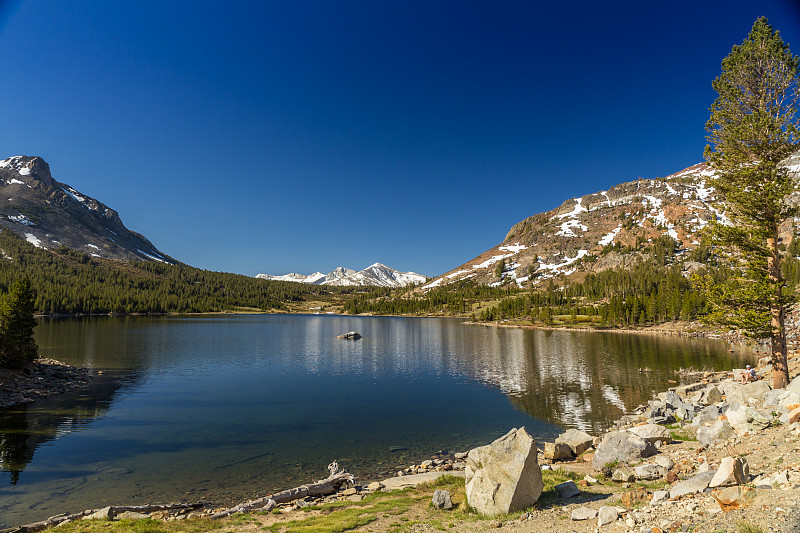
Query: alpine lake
225, 408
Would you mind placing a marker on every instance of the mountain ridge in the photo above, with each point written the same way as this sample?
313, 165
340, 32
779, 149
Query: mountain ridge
50, 214
376, 275
590, 232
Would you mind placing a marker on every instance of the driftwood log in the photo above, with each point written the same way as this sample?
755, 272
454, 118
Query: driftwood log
321, 488
62, 518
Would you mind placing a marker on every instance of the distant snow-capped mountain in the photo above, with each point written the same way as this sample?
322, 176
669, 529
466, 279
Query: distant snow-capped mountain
377, 274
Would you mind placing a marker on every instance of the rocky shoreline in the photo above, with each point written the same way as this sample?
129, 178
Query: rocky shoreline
39, 379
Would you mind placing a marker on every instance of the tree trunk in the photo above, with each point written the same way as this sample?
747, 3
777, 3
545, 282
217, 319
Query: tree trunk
780, 367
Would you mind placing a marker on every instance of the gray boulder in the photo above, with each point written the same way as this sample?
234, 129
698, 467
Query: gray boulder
623, 475
583, 513
738, 393
441, 499
707, 414
744, 419
621, 446
607, 515
504, 476
567, 489
719, 431
106, 513
663, 460
652, 433
576, 439
695, 484
711, 396
649, 472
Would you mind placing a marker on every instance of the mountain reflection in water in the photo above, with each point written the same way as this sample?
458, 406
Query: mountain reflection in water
26, 427
221, 408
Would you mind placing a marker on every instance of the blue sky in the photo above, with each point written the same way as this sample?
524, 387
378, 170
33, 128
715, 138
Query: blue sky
297, 136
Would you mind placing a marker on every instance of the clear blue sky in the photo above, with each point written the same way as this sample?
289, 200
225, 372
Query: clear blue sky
302, 135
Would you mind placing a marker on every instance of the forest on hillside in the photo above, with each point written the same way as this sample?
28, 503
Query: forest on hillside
70, 282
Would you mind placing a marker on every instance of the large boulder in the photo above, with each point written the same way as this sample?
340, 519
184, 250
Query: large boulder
504, 476
576, 439
719, 431
621, 446
738, 393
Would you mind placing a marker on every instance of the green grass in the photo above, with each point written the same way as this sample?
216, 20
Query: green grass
746, 527
343, 516
143, 526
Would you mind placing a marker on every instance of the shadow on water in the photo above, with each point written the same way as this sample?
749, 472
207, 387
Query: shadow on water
25, 428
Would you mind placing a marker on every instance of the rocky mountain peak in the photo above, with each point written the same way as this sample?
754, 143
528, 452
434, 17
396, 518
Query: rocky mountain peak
50, 214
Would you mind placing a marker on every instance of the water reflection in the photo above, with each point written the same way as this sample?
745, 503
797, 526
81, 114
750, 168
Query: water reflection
230, 406
25, 428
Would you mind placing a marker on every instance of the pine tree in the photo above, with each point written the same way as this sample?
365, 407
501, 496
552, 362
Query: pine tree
751, 131
17, 345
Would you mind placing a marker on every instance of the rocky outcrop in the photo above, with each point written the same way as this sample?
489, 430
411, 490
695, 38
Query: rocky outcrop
504, 476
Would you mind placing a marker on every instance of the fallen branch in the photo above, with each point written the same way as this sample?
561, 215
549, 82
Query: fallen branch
321, 488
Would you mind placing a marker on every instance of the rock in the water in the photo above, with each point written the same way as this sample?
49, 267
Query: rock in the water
719, 431
441, 499
577, 440
583, 513
696, 483
504, 476
623, 475
731, 471
557, 451
652, 433
607, 515
567, 489
621, 446
649, 472
350, 335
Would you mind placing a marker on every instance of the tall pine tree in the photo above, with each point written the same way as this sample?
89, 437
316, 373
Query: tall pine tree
753, 128
17, 345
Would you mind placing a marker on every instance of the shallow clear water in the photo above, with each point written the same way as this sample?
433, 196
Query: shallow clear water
225, 408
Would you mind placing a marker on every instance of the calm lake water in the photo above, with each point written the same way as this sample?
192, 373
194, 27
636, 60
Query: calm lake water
226, 408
